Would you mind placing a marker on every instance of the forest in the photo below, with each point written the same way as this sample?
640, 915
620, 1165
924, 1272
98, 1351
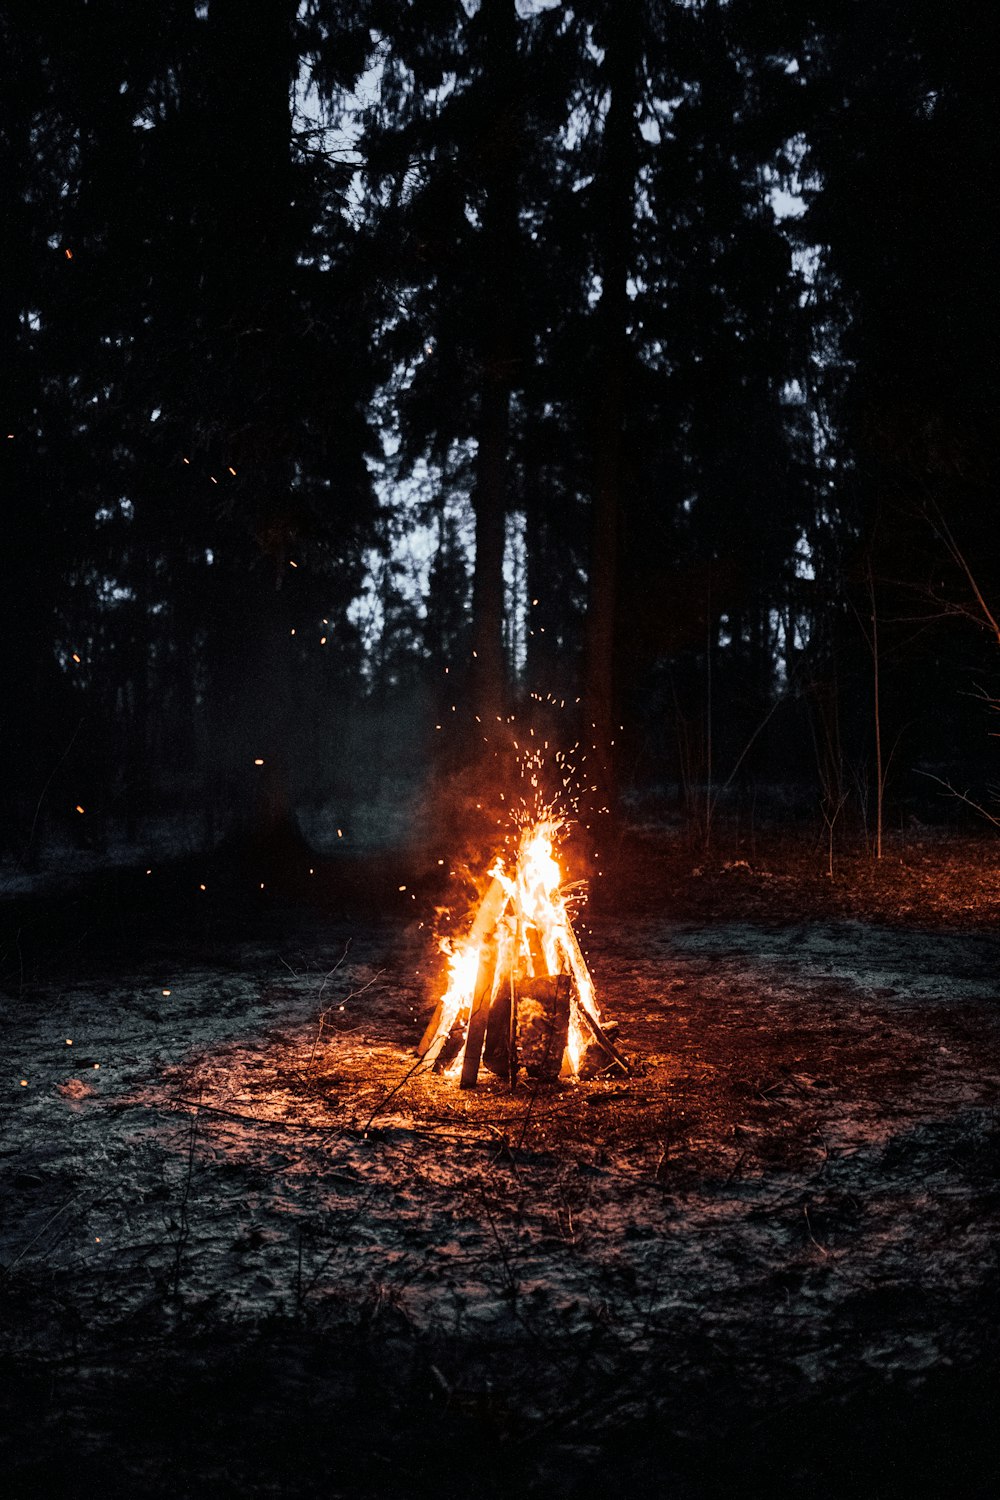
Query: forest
418, 419
368, 363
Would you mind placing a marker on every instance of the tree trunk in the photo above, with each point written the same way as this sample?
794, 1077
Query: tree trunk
488, 676
498, 162
251, 61
616, 207
876, 712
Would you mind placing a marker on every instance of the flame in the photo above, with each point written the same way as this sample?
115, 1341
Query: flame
522, 929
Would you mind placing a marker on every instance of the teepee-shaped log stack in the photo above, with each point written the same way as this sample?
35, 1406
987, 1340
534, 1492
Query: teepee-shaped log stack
520, 993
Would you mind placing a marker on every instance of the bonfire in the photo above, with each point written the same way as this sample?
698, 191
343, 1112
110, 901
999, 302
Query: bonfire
519, 993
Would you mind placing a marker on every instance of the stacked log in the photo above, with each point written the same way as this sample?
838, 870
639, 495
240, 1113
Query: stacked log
543, 1024
515, 1015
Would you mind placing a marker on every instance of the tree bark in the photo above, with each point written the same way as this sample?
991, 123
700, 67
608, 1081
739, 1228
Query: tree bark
489, 676
615, 199
499, 168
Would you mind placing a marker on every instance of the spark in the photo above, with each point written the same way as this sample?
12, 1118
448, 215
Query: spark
69, 1041
164, 992
79, 808
292, 564
76, 658
258, 761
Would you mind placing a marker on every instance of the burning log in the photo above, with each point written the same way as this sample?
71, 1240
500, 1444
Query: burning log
487, 979
520, 992
490, 910
543, 1024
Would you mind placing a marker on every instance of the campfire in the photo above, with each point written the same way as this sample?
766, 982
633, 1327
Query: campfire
519, 992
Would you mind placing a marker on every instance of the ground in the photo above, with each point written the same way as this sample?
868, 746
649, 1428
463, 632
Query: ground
246, 1249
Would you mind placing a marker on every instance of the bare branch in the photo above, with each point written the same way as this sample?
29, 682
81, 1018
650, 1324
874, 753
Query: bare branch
962, 797
958, 557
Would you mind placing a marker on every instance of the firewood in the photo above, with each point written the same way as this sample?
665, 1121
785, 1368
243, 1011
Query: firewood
538, 963
496, 1051
543, 1024
490, 911
601, 1039
432, 1027
446, 1055
479, 1019
512, 1058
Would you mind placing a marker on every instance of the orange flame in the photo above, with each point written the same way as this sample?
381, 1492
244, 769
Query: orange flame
522, 928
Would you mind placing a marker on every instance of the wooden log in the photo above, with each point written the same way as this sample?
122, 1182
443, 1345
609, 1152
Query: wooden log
445, 1052
581, 974
543, 1023
475, 1036
432, 1029
496, 1049
512, 1059
538, 964
490, 911
601, 1039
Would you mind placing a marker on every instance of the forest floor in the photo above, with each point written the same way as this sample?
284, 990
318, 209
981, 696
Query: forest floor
245, 1250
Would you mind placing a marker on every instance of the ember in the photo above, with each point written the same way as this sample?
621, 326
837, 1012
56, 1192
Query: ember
519, 992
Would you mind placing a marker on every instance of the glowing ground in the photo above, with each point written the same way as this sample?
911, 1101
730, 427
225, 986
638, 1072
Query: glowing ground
254, 1250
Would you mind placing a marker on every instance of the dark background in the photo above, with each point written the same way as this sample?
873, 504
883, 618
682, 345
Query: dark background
304, 307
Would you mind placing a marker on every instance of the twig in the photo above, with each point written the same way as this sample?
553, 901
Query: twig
333, 971
298, 1274
986, 616
337, 1243
6, 1270
323, 1014
527, 1115
182, 1234
233, 1114
813, 1240
962, 797
380, 1107
513, 1285
38, 806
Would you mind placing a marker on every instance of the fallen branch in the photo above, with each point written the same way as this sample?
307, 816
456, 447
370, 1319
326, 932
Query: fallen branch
233, 1114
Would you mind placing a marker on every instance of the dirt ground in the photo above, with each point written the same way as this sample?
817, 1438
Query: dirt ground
247, 1250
